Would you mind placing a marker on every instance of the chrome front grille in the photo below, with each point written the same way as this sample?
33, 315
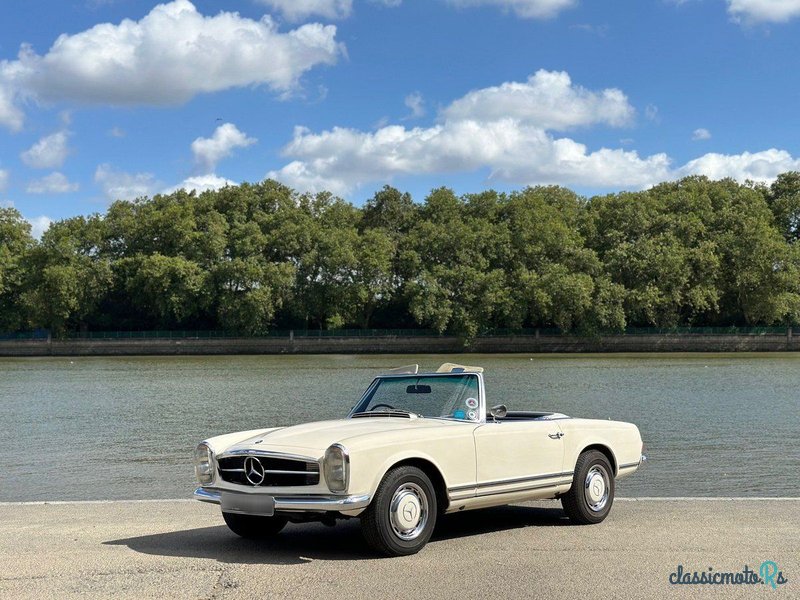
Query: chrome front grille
265, 470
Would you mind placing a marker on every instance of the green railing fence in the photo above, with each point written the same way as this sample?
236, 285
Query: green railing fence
43, 335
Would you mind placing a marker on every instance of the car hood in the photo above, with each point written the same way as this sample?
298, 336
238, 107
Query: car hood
313, 439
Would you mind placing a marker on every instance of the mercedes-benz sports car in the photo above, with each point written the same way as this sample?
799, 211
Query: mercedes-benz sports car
417, 445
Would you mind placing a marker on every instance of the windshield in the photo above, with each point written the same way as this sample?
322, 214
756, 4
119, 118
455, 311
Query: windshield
448, 396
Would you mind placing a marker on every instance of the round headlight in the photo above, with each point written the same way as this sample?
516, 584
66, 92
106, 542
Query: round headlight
203, 464
337, 468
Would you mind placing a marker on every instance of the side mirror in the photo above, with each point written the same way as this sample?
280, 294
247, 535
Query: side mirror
499, 411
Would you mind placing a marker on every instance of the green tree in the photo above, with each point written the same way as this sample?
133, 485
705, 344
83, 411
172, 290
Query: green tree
326, 266
661, 246
557, 281
15, 243
372, 282
256, 256
249, 292
453, 251
67, 278
783, 198
389, 209
171, 290
761, 281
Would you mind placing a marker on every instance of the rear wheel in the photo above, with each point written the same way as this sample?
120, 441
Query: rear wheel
400, 519
253, 527
589, 499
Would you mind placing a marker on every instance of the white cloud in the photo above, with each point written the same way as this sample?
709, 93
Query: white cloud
119, 185
415, 103
776, 11
209, 151
166, 58
528, 9
505, 129
201, 183
39, 225
701, 134
496, 129
55, 183
598, 30
762, 166
3, 179
50, 152
548, 99
343, 159
651, 113
297, 10
117, 132
10, 116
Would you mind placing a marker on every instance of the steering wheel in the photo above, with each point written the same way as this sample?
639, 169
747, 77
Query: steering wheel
389, 406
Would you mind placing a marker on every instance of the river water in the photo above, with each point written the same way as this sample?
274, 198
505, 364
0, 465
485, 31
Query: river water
117, 428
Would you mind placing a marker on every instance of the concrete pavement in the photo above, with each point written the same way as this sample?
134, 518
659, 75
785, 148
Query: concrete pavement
177, 549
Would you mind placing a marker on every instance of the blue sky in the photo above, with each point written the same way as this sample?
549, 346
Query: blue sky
106, 99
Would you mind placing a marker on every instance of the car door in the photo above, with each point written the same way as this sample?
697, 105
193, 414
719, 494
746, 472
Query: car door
514, 456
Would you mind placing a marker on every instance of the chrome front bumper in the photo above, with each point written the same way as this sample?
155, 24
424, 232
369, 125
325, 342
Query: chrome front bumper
298, 503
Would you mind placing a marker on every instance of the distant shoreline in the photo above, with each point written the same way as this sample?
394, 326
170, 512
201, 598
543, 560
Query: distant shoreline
529, 344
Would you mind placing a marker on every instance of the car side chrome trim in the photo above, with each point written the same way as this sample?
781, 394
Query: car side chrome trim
525, 489
461, 488
298, 503
499, 482
629, 465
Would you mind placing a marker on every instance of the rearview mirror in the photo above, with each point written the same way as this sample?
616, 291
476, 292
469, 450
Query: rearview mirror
418, 389
499, 411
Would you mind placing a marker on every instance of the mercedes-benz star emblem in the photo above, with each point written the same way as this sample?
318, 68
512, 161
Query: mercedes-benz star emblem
409, 512
254, 470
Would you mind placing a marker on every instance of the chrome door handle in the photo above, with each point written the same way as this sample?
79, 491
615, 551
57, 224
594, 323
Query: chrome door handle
555, 436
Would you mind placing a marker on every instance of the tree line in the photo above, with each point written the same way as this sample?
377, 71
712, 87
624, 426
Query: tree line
254, 257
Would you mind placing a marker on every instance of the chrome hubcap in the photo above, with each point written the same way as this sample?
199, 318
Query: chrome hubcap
596, 488
408, 511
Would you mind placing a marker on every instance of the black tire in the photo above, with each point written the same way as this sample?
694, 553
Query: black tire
403, 491
578, 501
253, 527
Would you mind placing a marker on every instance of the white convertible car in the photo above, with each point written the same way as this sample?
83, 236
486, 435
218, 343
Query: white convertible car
417, 445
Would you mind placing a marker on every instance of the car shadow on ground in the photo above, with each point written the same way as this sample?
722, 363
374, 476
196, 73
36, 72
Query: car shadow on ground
302, 543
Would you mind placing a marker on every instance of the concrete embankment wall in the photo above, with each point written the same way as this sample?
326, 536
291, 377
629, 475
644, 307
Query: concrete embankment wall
404, 345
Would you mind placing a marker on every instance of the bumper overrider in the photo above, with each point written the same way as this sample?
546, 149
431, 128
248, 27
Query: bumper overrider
309, 503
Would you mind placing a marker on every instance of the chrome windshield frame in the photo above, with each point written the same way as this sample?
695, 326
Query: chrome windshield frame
481, 394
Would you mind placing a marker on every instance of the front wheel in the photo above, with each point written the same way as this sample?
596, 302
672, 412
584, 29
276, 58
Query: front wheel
589, 499
253, 527
400, 519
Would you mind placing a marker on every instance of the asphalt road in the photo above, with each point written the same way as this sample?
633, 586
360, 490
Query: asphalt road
177, 549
